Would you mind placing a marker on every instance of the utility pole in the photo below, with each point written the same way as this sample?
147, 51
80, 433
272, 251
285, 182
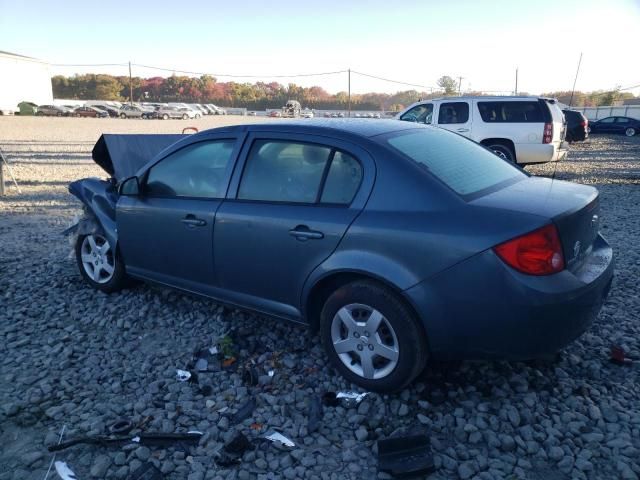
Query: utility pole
575, 80
515, 92
460, 86
349, 91
130, 85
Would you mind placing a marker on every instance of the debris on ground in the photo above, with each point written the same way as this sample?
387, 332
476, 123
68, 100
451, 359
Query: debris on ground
619, 356
233, 450
277, 437
244, 411
183, 375
406, 456
64, 472
156, 439
121, 427
315, 414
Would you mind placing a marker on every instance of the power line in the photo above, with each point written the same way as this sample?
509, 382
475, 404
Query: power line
392, 81
235, 75
88, 64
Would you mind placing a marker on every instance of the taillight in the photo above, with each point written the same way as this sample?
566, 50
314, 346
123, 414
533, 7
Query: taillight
535, 253
547, 135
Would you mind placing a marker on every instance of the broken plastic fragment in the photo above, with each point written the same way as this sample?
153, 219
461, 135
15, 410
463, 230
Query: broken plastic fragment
183, 375
213, 350
271, 373
618, 356
355, 396
64, 471
278, 437
244, 411
135, 439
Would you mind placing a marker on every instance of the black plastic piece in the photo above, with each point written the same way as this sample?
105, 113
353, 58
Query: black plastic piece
244, 411
315, 414
330, 399
406, 457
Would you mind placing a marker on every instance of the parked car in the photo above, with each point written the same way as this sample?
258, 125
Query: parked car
627, 125
133, 111
577, 126
217, 110
275, 113
326, 114
27, 108
200, 112
303, 221
53, 111
306, 113
165, 113
519, 129
89, 112
111, 111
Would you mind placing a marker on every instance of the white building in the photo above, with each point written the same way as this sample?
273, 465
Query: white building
23, 79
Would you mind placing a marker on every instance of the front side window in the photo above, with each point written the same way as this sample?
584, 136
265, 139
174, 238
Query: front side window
420, 113
453, 112
343, 179
198, 170
511, 112
461, 164
283, 171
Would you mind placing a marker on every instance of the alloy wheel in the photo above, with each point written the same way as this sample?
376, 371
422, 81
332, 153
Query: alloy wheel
97, 257
365, 341
630, 132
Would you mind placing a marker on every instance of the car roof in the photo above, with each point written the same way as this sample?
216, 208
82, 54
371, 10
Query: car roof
341, 126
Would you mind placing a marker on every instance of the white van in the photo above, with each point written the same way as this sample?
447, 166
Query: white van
524, 130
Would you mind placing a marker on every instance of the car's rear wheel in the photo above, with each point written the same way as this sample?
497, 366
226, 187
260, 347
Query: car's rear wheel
630, 132
503, 152
122, 115
100, 265
59, 114
185, 116
165, 117
372, 337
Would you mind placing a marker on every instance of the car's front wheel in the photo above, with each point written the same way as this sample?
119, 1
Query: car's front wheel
372, 337
100, 265
630, 132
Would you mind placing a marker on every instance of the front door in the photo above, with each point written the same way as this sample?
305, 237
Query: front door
293, 202
455, 116
166, 232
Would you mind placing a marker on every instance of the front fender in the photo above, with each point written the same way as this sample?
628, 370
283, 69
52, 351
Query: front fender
100, 198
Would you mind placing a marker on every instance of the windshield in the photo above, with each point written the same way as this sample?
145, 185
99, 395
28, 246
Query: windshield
461, 164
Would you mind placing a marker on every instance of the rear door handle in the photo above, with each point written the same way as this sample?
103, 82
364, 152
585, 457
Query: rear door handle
191, 221
463, 130
302, 233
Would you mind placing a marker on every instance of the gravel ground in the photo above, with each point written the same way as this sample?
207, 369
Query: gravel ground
76, 358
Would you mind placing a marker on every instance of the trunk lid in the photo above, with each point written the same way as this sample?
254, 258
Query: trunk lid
573, 208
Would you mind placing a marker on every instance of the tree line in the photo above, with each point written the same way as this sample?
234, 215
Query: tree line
262, 95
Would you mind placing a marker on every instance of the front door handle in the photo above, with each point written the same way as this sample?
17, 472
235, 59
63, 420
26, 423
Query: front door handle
302, 233
191, 221
463, 130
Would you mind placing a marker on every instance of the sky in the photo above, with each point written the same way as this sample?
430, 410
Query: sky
411, 41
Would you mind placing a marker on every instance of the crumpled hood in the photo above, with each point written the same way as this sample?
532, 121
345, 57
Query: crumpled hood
121, 156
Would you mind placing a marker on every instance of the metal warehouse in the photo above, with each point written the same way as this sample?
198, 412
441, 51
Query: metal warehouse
23, 79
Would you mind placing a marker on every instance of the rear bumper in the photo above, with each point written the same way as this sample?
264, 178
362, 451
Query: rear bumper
540, 152
482, 309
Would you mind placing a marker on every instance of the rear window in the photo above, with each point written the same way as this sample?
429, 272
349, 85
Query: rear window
461, 164
511, 112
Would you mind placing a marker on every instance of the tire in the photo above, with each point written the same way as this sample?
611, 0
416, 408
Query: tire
399, 335
59, 114
185, 116
105, 281
122, 115
588, 129
165, 117
503, 152
630, 132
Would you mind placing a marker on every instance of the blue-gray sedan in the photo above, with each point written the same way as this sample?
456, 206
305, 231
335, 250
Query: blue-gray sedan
399, 242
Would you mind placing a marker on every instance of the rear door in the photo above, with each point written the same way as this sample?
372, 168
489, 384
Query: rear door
606, 125
455, 116
166, 232
621, 124
290, 202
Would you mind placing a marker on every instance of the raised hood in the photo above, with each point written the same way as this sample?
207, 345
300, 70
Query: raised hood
121, 156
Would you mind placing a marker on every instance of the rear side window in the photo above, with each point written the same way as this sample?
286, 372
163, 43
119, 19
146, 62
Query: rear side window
198, 170
453, 112
462, 165
343, 179
283, 171
511, 112
622, 120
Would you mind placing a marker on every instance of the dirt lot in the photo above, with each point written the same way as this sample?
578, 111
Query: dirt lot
74, 358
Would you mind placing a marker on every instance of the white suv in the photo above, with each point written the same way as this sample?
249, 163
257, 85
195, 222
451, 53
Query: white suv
519, 129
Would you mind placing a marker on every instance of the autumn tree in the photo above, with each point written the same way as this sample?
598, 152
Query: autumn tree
448, 84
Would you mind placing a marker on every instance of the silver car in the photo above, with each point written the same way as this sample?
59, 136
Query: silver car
165, 113
133, 111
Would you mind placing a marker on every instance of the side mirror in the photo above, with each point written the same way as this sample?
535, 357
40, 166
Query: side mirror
130, 186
